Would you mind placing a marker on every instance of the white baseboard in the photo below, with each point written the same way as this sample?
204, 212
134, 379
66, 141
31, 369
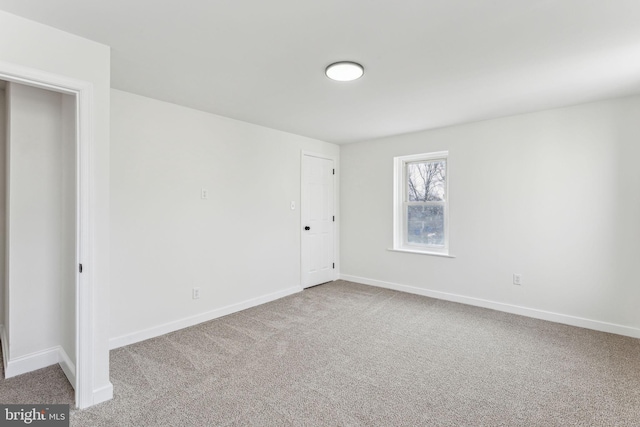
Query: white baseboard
198, 318
68, 367
36, 360
102, 394
508, 308
31, 362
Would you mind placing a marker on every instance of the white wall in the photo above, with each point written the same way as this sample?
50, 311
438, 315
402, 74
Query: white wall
35, 258
241, 243
41, 207
554, 196
29, 44
3, 171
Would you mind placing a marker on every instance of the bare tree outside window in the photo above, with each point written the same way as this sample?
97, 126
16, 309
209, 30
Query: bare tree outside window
426, 181
425, 210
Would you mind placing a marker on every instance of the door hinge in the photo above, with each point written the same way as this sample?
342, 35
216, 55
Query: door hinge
334, 218
80, 269
334, 265
334, 171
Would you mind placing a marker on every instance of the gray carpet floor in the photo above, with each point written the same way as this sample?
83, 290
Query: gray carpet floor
344, 354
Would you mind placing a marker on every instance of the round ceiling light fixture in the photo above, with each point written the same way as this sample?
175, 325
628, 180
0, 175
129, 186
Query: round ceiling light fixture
344, 71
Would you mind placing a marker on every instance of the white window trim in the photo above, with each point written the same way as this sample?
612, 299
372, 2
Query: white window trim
399, 218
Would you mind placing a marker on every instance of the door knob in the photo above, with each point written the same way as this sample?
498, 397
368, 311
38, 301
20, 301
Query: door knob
307, 228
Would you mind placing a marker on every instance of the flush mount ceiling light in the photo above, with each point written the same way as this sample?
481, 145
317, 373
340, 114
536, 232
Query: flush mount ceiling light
344, 71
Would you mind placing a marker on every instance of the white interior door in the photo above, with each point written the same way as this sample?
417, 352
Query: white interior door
318, 220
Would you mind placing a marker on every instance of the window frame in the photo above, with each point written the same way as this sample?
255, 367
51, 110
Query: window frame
401, 203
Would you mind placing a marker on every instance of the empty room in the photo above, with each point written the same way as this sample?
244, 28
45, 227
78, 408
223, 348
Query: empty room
297, 213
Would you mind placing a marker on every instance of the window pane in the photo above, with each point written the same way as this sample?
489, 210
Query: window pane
425, 225
426, 181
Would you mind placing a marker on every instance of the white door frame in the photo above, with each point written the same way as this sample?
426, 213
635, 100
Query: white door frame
85, 212
335, 208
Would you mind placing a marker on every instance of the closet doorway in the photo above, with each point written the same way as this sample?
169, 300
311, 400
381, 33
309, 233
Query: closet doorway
46, 292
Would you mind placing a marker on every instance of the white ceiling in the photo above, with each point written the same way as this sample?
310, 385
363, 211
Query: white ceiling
428, 63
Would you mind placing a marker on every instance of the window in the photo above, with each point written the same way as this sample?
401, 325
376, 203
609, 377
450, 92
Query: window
421, 203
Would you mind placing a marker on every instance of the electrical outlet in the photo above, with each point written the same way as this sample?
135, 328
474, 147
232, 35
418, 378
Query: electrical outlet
204, 194
293, 205
517, 279
196, 293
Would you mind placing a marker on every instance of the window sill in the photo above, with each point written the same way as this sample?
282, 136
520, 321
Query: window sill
415, 251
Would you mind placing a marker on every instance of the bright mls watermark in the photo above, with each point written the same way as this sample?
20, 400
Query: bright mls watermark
34, 415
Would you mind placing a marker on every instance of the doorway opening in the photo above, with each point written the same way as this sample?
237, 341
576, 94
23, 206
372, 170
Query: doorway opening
40, 230
75, 306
